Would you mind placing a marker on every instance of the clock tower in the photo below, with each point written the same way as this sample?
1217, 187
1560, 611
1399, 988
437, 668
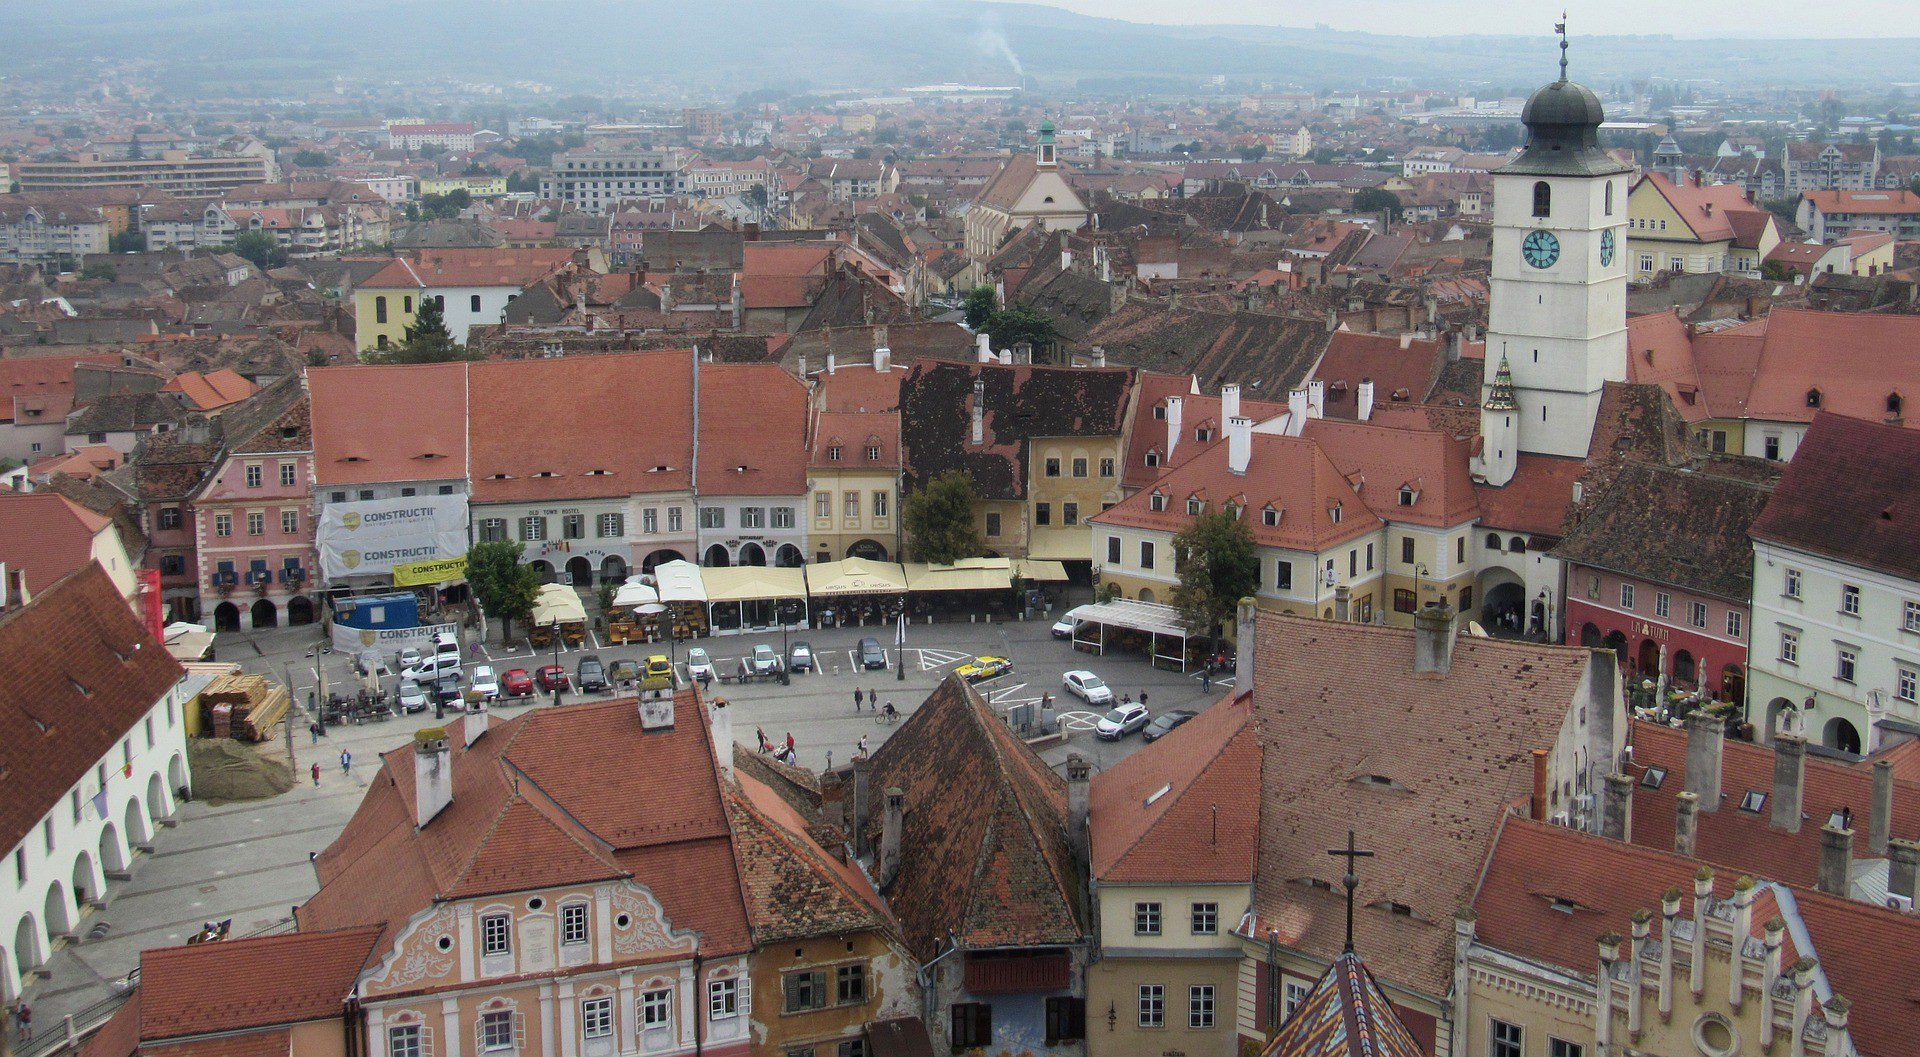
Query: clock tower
1557, 310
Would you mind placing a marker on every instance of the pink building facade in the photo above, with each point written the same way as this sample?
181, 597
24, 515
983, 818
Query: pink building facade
1697, 640
253, 526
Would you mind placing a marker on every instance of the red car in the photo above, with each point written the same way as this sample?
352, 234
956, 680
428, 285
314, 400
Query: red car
517, 683
553, 677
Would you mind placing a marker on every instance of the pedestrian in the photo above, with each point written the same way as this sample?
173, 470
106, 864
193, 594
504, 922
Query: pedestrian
829, 759
314, 730
346, 762
761, 733
1206, 680
316, 776
1143, 699
863, 745
856, 700
23, 1019
789, 743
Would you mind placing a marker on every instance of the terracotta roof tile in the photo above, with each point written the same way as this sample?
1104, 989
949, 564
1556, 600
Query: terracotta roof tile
45, 536
794, 887
553, 417
1186, 809
1854, 360
742, 405
389, 423
1872, 521
1021, 403
1672, 526
271, 980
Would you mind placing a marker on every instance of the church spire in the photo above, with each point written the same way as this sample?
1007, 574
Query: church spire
1044, 151
1560, 27
1500, 394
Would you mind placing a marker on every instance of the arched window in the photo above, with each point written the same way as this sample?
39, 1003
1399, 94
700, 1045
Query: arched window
1493, 541
1609, 205
1813, 398
1542, 199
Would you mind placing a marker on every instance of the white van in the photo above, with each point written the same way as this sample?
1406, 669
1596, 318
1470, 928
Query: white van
446, 642
432, 668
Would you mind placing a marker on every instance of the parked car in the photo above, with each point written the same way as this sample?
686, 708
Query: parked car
984, 668
409, 657
518, 682
800, 657
484, 682
871, 655
764, 660
412, 698
1088, 687
699, 665
591, 676
429, 669
659, 667
622, 672
1164, 723
446, 689
553, 677
1120, 721
1063, 628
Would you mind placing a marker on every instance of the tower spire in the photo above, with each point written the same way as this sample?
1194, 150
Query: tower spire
1560, 27
1500, 394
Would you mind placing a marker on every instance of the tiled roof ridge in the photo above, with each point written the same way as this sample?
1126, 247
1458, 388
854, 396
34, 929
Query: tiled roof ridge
798, 848
1193, 777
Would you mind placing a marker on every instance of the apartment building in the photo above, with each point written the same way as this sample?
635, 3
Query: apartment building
173, 171
599, 180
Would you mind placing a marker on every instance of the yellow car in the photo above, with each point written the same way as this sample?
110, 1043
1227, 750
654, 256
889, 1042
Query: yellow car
984, 668
658, 667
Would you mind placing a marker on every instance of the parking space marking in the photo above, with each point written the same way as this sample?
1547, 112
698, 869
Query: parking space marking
1078, 721
931, 659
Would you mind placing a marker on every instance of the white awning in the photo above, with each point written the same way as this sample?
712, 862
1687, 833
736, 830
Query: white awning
1039, 570
1132, 615
967, 574
856, 576
634, 593
679, 581
557, 604
747, 583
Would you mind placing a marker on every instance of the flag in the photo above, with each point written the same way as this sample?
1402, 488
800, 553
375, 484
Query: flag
127, 770
100, 803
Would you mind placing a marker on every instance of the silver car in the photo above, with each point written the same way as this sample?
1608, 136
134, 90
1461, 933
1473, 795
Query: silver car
765, 660
1121, 721
1088, 687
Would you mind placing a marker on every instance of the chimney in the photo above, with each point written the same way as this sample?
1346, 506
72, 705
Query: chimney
1096, 357
1364, 409
1704, 742
829, 361
801, 360
1246, 620
883, 359
1079, 798
1174, 405
1537, 803
1229, 402
1617, 811
1456, 342
1239, 444
1406, 340
1316, 399
1686, 823
721, 730
1789, 780
1006, 358
1835, 1011
1903, 867
1880, 822
1342, 603
1296, 410
983, 347
1433, 640
1022, 352
979, 411
432, 774
890, 827
857, 822
475, 723
1836, 860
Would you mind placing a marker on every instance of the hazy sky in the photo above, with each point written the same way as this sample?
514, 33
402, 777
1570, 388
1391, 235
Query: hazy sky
1693, 18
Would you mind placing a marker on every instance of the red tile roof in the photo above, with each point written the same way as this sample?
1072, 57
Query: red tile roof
478, 266
1381, 460
753, 421
46, 536
1706, 209
1854, 360
1858, 202
570, 417
42, 383
389, 423
213, 390
794, 887
1874, 520
267, 981
1184, 810
272, 1042
1536, 500
1393, 365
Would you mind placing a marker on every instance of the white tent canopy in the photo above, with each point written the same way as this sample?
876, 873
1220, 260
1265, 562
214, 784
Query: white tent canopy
745, 583
557, 604
1158, 622
856, 576
633, 593
680, 581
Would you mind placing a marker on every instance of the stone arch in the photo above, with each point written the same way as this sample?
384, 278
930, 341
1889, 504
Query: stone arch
871, 550
29, 944
789, 557
544, 568
1146, 594
580, 571
135, 823
58, 911
1503, 601
299, 611
1684, 668
1617, 642
716, 557
1646, 661
226, 617
177, 779
752, 554
159, 804
613, 570
113, 851
1517, 545
1783, 717
87, 880
264, 614
1733, 684
659, 558
1590, 635
1841, 734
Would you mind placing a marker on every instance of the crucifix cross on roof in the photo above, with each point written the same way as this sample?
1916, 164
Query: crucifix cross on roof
1351, 880
1560, 27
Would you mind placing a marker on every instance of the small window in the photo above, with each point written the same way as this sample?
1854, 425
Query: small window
1850, 600
1813, 398
1653, 777
972, 1025
1200, 1006
1156, 502
403, 1041
1792, 584
573, 924
656, 1009
723, 999
596, 1018
496, 934
1506, 1040
1153, 1006
1542, 199
850, 984
1146, 919
496, 1031
473, 303
1206, 919
803, 991
1753, 801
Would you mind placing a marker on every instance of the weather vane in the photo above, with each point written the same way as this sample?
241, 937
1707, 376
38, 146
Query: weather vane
1560, 27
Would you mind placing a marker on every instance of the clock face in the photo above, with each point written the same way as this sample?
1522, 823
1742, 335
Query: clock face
1541, 249
1606, 248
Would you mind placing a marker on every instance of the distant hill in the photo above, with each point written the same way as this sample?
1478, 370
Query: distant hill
726, 46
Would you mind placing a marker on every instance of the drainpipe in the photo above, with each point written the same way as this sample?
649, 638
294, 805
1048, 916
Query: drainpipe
699, 999
925, 975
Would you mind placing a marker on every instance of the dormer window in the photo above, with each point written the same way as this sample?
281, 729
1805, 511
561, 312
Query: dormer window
1407, 495
1894, 403
1153, 457
833, 453
1270, 517
1156, 502
1203, 434
1813, 398
1233, 511
1334, 513
1160, 412
1194, 506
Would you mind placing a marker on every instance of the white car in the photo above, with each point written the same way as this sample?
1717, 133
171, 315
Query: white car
409, 657
1121, 721
412, 698
484, 682
1088, 687
430, 669
699, 665
1063, 628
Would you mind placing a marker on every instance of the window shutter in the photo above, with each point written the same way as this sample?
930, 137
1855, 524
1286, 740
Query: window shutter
791, 985
480, 1033
426, 1041
1262, 996
519, 1031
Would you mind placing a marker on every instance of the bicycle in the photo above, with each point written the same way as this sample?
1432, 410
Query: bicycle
887, 716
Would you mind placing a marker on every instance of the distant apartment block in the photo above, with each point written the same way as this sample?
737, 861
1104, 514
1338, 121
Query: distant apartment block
453, 136
174, 171
597, 180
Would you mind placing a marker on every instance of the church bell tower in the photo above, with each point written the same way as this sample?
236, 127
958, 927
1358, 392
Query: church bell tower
1557, 312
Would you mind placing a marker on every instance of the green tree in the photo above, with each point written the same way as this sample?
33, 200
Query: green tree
1253, 152
939, 519
99, 270
1017, 323
980, 306
504, 586
261, 248
426, 339
310, 159
1775, 272
446, 206
128, 241
1218, 567
757, 198
1374, 200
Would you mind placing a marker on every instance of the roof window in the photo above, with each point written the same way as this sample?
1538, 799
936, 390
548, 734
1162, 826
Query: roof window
1753, 801
1653, 777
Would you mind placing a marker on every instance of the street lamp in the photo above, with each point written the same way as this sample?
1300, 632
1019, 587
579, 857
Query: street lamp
556, 661
900, 642
783, 612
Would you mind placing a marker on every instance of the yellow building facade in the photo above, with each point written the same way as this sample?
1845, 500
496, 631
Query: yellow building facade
1171, 945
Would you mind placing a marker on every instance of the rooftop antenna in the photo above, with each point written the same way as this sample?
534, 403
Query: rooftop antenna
1560, 27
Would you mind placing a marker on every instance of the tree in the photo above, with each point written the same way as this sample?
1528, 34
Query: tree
1374, 200
446, 206
505, 587
426, 339
310, 159
939, 519
1776, 272
1218, 567
128, 241
1017, 323
1253, 152
261, 248
99, 270
980, 306
757, 198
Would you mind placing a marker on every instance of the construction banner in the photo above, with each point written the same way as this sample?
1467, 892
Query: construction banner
371, 538
414, 574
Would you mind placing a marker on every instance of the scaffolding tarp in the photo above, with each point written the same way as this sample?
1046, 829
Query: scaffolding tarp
856, 576
747, 583
680, 581
967, 574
